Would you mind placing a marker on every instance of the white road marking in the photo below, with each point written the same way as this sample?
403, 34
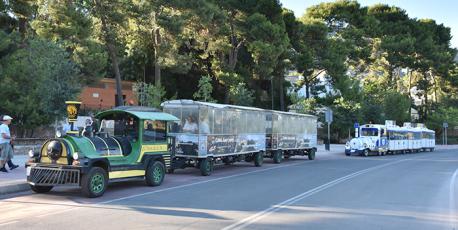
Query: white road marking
434, 160
10, 222
452, 201
255, 217
172, 188
200, 182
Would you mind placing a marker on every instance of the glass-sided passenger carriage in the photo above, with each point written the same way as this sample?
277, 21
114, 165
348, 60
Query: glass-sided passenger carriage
290, 134
391, 139
209, 132
141, 142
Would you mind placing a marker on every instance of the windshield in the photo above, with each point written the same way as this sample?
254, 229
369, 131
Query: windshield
369, 132
119, 124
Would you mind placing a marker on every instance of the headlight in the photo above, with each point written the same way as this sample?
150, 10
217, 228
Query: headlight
31, 153
75, 156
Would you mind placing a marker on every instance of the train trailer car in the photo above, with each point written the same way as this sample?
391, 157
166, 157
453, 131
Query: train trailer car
132, 142
289, 134
391, 139
210, 133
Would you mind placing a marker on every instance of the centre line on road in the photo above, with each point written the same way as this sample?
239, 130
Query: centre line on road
173, 188
434, 160
452, 204
255, 217
200, 182
10, 222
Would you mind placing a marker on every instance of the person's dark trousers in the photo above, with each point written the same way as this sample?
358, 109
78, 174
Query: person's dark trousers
11, 164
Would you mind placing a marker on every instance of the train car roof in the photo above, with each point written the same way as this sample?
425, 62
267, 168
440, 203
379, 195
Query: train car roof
223, 106
372, 126
144, 113
214, 105
398, 128
294, 114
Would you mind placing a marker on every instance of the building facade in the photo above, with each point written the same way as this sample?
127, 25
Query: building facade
102, 94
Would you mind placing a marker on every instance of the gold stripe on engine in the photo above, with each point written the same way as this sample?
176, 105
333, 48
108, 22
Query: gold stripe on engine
128, 173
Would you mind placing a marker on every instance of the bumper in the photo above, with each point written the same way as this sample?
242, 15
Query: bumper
349, 152
47, 175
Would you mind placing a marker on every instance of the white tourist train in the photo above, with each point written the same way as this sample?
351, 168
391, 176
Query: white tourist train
391, 139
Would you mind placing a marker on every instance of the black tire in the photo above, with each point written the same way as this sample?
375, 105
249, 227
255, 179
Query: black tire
40, 189
366, 152
311, 154
258, 159
277, 156
248, 158
94, 183
206, 166
226, 161
432, 150
155, 173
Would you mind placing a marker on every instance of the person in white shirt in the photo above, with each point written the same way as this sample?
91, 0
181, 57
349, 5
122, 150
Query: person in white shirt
203, 125
190, 125
6, 153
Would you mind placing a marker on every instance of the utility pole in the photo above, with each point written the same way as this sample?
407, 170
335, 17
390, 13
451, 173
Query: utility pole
444, 134
328, 118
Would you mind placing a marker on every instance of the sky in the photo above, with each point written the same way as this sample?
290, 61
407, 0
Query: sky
442, 11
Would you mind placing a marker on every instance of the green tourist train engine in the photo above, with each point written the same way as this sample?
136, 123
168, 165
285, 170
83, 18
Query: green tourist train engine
132, 142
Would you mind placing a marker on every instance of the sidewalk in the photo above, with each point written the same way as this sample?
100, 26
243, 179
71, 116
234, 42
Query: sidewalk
14, 180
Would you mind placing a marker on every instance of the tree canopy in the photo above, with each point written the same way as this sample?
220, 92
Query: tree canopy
369, 64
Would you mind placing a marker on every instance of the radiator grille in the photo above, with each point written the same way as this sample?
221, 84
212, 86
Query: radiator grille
54, 176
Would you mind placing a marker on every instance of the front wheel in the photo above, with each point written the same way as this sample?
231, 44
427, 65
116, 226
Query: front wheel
206, 166
40, 189
277, 156
94, 183
311, 154
155, 173
258, 159
366, 152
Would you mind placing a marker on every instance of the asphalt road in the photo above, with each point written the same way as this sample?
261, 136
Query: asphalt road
412, 191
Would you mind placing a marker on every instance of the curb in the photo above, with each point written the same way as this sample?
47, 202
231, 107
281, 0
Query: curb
14, 188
